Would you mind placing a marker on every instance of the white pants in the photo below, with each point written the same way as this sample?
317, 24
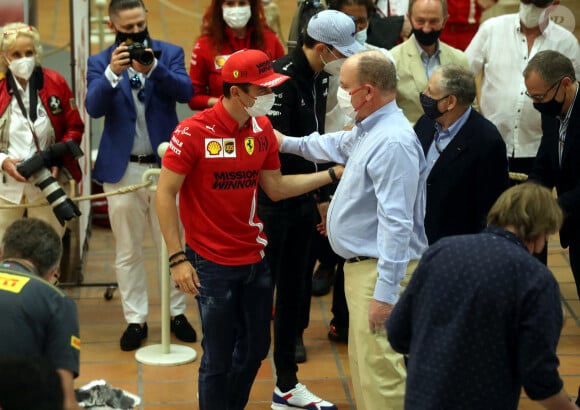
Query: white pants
45, 213
129, 213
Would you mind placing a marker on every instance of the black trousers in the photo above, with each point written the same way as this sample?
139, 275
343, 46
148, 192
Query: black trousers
524, 166
290, 226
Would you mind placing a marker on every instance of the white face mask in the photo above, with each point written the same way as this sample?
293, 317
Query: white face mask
22, 67
333, 68
530, 15
344, 102
237, 17
361, 36
262, 104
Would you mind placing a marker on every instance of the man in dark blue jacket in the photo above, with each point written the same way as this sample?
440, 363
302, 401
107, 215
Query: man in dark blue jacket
481, 317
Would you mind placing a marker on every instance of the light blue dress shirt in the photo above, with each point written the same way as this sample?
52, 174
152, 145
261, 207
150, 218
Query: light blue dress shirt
443, 138
378, 209
429, 63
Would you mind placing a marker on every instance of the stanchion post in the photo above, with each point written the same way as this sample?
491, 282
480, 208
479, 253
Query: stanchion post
165, 354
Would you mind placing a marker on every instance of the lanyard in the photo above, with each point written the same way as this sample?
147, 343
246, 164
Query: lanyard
33, 98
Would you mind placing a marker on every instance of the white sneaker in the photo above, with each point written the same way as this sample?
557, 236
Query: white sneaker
299, 398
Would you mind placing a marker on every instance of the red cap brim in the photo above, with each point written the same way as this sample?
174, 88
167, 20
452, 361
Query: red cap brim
273, 80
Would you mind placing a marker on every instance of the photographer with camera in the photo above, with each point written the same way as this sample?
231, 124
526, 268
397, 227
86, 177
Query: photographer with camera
37, 111
135, 84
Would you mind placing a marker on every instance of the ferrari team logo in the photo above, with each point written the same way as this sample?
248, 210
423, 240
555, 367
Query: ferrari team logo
249, 144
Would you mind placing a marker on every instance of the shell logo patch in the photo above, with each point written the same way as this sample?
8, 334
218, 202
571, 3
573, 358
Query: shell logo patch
75, 342
219, 61
220, 148
249, 145
12, 283
213, 148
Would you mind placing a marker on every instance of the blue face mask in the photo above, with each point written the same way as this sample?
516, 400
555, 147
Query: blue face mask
361, 36
430, 106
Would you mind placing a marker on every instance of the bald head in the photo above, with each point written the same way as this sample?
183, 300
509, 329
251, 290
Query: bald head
374, 68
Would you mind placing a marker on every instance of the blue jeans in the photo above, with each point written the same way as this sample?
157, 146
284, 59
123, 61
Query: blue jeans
235, 304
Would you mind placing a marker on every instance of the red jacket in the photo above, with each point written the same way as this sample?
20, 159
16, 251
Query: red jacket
64, 117
205, 69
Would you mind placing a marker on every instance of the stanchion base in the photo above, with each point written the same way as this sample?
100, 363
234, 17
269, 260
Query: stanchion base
153, 355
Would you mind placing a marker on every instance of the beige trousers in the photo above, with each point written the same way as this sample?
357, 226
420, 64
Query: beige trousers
378, 372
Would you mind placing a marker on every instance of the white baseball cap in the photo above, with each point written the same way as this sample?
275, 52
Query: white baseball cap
336, 29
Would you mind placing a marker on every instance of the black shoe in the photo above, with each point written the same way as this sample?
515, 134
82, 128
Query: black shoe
300, 351
322, 280
133, 336
182, 329
338, 334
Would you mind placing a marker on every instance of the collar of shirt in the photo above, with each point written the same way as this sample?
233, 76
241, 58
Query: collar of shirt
229, 123
429, 62
504, 233
564, 121
370, 121
443, 138
446, 136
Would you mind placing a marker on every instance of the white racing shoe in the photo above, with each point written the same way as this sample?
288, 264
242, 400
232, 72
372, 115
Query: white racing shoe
299, 398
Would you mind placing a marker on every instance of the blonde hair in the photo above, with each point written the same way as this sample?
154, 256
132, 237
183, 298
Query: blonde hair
10, 32
529, 208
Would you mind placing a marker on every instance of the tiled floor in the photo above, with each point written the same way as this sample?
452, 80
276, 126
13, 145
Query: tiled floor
174, 387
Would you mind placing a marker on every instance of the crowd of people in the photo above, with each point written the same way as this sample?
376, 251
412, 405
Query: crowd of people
383, 171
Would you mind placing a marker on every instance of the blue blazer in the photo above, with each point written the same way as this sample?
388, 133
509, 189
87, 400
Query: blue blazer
167, 85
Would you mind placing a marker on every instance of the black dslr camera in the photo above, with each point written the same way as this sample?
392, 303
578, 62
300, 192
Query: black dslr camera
139, 53
36, 170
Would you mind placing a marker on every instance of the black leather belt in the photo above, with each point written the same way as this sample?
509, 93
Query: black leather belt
143, 159
358, 259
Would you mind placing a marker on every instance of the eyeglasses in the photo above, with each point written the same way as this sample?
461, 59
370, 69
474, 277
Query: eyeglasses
538, 3
137, 84
540, 97
16, 31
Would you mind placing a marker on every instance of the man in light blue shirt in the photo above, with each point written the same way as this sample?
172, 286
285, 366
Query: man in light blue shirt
375, 220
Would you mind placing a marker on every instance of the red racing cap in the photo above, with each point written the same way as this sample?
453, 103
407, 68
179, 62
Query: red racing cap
253, 67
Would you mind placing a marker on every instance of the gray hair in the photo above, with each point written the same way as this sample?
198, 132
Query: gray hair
376, 69
551, 66
458, 81
35, 241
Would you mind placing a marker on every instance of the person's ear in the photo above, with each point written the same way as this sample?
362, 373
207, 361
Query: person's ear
320, 48
451, 102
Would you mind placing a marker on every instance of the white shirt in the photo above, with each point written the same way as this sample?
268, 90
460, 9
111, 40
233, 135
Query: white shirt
21, 145
142, 141
499, 51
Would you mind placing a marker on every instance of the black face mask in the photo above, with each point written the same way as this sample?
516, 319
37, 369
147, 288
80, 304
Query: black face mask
552, 108
426, 39
130, 38
430, 106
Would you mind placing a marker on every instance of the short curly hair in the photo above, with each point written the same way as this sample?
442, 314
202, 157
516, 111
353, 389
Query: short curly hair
35, 241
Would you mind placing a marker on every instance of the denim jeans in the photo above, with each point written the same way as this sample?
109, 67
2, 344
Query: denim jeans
235, 304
